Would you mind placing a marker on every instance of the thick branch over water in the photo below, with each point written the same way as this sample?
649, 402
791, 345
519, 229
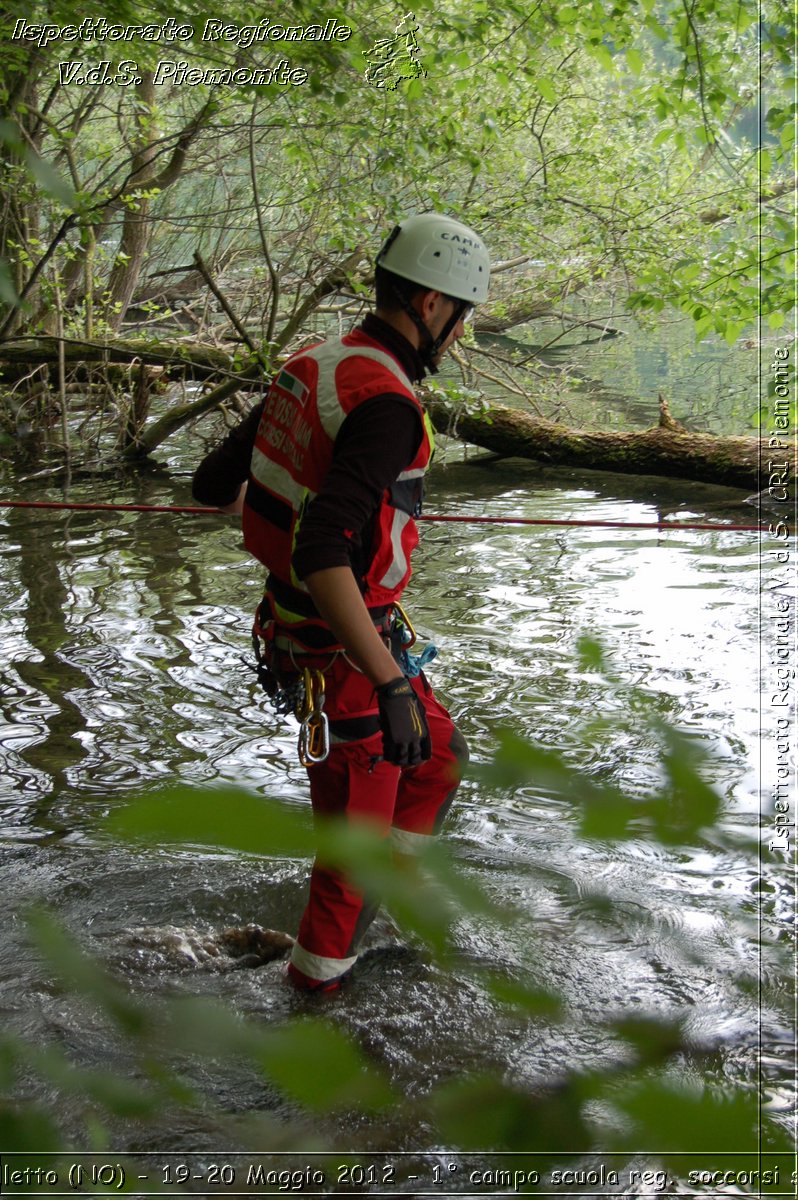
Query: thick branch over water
667, 449
189, 360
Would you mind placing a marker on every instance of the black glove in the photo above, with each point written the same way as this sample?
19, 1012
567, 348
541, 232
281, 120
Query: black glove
405, 734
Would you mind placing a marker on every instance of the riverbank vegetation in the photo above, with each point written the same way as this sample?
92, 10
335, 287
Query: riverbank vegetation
165, 240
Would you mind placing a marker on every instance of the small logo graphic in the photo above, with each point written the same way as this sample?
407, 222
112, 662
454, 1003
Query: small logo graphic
393, 59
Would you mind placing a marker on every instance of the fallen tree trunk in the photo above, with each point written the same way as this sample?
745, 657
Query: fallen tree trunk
189, 360
667, 449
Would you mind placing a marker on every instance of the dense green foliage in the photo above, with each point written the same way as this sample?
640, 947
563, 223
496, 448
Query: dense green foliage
633, 142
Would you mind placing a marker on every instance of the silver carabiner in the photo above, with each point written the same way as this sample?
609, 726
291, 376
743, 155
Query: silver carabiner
313, 745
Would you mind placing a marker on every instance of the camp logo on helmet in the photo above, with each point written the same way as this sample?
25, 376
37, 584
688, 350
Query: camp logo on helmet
455, 237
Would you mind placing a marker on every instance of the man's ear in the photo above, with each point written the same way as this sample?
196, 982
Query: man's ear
429, 303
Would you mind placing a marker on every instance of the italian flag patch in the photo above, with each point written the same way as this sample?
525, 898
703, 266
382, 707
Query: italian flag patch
295, 387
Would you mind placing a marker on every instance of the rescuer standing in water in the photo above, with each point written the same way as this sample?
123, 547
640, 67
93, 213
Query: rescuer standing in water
328, 475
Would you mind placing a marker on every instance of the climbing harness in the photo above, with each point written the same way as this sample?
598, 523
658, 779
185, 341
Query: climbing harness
300, 690
403, 626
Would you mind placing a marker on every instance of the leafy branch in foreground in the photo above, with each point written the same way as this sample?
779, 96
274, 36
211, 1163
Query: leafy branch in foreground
654, 1090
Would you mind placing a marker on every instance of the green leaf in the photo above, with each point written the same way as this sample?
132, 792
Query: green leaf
11, 135
217, 817
703, 326
486, 1113
667, 1118
535, 1001
49, 180
605, 811
82, 974
732, 331
29, 1128
547, 90
634, 60
603, 57
122, 1097
655, 1040
745, 15
321, 1067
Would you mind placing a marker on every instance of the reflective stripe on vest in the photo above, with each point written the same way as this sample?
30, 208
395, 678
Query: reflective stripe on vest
329, 356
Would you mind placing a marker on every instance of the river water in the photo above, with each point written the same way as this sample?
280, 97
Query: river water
123, 636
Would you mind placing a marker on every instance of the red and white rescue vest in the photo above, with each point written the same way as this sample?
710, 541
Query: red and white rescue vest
307, 403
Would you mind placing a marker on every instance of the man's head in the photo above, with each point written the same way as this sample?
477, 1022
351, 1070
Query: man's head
431, 270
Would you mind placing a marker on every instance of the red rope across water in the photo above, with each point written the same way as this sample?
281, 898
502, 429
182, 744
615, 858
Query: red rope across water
85, 506
596, 524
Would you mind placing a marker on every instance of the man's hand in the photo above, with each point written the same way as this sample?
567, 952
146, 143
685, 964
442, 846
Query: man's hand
405, 734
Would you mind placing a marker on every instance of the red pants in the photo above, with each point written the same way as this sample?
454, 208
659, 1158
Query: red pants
407, 805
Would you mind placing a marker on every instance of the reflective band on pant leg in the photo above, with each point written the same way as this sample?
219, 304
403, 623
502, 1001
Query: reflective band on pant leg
406, 842
315, 966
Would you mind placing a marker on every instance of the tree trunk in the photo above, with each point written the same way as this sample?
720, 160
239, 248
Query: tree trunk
19, 218
516, 314
187, 360
667, 449
136, 226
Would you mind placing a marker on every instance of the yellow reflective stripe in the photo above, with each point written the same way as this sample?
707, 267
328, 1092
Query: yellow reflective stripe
299, 514
430, 431
287, 617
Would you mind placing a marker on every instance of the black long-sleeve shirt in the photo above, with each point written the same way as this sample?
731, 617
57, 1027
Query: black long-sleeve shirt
376, 442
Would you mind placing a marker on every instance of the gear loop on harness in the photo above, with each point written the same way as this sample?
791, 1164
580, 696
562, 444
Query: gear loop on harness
404, 625
299, 690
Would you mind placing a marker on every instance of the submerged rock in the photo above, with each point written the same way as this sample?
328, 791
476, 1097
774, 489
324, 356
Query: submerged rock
229, 949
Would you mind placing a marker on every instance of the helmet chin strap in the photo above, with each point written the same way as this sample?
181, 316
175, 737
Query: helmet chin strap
430, 346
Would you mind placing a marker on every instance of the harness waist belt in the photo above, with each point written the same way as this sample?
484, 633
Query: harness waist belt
299, 602
311, 633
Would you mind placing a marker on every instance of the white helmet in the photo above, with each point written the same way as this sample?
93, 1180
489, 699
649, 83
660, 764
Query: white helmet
438, 252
